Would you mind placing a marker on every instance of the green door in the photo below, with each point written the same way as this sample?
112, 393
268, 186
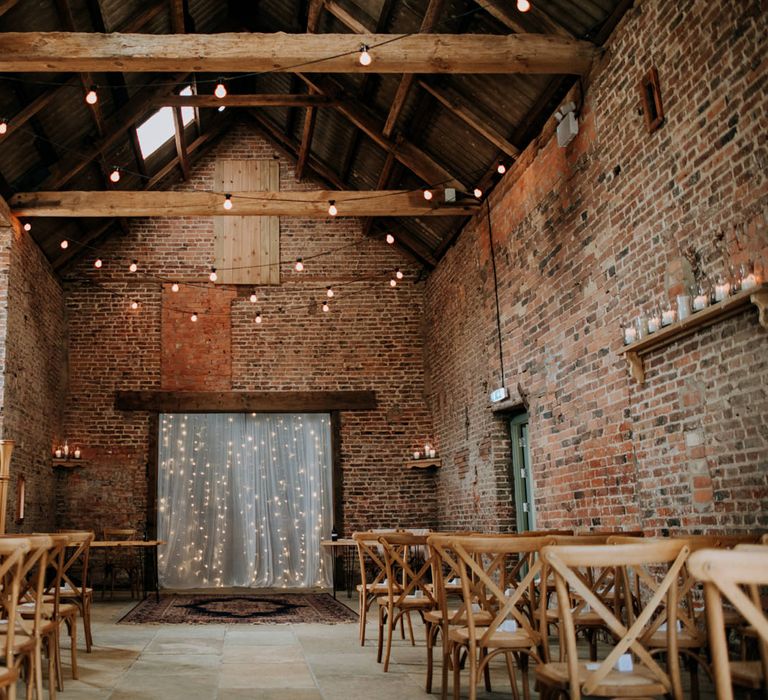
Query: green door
521, 474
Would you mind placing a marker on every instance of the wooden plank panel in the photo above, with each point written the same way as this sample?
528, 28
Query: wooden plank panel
49, 52
243, 247
241, 401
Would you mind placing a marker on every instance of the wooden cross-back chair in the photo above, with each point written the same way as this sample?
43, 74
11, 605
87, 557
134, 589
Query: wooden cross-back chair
128, 560
498, 577
736, 576
28, 633
13, 552
373, 572
640, 562
408, 567
75, 572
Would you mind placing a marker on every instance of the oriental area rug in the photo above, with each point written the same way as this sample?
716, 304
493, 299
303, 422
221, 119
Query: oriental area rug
240, 608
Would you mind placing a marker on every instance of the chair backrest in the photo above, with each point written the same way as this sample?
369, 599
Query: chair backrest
499, 575
408, 569
640, 562
736, 575
371, 557
13, 551
77, 559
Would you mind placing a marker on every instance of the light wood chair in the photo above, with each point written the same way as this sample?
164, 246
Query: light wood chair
408, 589
13, 552
126, 560
498, 577
373, 572
75, 572
736, 576
642, 562
28, 633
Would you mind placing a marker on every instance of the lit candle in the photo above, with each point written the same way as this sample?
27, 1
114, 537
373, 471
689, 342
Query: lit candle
66, 450
722, 290
58, 453
700, 302
432, 453
630, 335
749, 282
654, 323
77, 453
417, 455
667, 317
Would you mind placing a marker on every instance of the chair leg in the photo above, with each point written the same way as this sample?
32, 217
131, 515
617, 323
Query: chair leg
523, 662
87, 622
456, 671
381, 633
73, 645
362, 611
447, 655
39, 669
472, 655
512, 676
430, 655
410, 629
390, 625
486, 669
51, 653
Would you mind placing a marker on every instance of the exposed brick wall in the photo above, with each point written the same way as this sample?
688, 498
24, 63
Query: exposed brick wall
33, 340
586, 236
370, 340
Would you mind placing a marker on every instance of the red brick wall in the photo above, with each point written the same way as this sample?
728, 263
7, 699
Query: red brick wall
370, 340
33, 340
586, 236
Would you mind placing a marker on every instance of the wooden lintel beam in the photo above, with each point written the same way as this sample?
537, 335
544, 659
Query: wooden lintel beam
47, 52
302, 204
256, 100
406, 152
458, 107
244, 401
180, 141
306, 141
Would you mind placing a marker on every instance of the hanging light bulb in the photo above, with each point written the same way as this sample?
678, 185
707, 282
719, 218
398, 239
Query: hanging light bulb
398, 274
501, 168
193, 317
98, 263
91, 97
134, 305
134, 266
332, 210
258, 317
393, 282
523, 5
329, 292
477, 192
427, 194
27, 226
220, 91
253, 298
227, 201
114, 176
175, 287
64, 244
3, 126
390, 239
365, 58
213, 276
299, 266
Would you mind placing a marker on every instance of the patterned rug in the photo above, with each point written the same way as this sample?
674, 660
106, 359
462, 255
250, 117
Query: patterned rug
240, 608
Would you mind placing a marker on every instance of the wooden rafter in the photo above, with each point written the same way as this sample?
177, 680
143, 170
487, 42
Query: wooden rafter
406, 152
47, 52
6, 5
177, 16
303, 204
180, 141
455, 104
357, 22
257, 100
123, 121
306, 141
43, 100
313, 15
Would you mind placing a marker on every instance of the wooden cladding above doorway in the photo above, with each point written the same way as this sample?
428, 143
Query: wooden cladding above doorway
245, 401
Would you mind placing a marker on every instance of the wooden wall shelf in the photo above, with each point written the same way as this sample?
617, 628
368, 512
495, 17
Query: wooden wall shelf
425, 463
701, 319
67, 463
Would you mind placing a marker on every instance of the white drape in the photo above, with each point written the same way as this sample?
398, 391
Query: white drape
244, 500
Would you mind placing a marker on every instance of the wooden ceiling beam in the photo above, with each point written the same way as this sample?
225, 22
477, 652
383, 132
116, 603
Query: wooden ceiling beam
357, 23
257, 100
406, 152
124, 120
302, 204
180, 141
455, 104
47, 52
313, 15
306, 141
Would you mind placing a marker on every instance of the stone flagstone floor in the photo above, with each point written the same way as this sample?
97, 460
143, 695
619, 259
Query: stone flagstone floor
234, 662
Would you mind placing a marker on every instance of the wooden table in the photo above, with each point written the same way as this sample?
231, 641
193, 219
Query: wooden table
150, 575
344, 550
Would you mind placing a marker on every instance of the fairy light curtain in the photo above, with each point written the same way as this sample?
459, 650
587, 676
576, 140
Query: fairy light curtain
244, 500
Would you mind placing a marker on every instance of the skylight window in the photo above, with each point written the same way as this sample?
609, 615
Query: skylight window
159, 128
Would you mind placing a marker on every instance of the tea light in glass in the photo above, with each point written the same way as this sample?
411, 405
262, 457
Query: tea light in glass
683, 306
641, 325
654, 321
58, 452
722, 289
701, 300
417, 455
630, 334
667, 316
748, 278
